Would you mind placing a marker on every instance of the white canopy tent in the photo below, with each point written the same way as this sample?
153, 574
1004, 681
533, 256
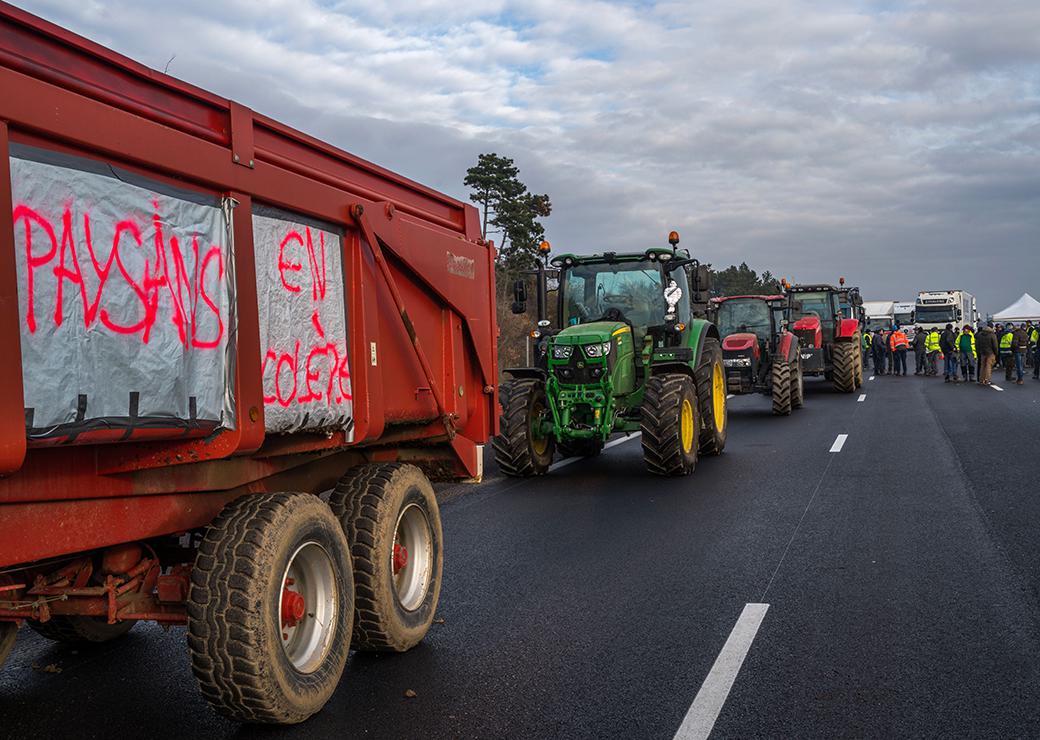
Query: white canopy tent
1025, 308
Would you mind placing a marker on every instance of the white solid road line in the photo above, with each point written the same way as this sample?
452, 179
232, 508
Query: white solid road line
862, 398
996, 387
839, 443
607, 446
701, 717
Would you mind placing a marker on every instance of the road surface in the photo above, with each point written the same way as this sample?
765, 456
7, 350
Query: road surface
900, 565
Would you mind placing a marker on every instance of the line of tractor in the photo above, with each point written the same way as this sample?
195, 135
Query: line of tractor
639, 344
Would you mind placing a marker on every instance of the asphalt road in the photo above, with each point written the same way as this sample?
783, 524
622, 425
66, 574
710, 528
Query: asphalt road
902, 576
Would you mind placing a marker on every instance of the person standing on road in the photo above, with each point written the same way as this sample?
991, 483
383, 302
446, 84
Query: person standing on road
1019, 345
966, 348
899, 344
1006, 355
932, 345
986, 343
948, 346
877, 344
920, 351
866, 346
1036, 353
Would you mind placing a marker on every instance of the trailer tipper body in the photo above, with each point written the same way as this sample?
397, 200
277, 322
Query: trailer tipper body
208, 318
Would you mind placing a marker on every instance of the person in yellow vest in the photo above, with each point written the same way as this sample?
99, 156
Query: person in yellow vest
931, 344
1007, 357
899, 344
1035, 339
966, 345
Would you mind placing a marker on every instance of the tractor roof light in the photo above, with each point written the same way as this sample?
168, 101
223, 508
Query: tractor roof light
664, 256
673, 238
545, 247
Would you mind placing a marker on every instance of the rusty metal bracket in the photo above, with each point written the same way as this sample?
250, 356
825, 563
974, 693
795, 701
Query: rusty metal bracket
357, 212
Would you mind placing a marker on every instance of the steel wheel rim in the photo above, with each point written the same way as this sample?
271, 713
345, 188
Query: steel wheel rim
310, 575
718, 387
412, 574
686, 425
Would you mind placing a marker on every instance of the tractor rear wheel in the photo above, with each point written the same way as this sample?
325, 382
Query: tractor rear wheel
670, 420
8, 634
271, 608
844, 355
521, 449
711, 399
781, 387
77, 630
580, 448
859, 361
390, 515
797, 386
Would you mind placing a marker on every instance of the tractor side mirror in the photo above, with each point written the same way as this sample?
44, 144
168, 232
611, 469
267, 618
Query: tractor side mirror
519, 297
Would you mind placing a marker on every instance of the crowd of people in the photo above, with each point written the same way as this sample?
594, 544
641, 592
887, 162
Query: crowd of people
966, 355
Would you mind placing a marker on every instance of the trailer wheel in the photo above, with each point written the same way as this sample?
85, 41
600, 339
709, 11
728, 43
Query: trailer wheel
670, 420
8, 634
711, 397
798, 387
390, 515
781, 390
271, 608
79, 630
580, 448
844, 374
520, 449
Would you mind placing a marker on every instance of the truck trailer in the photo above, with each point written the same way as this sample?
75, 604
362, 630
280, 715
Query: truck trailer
208, 320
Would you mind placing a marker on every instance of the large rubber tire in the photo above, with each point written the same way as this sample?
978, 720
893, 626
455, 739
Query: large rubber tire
370, 501
781, 389
235, 610
859, 361
76, 630
711, 380
797, 386
844, 374
665, 451
8, 634
518, 453
580, 448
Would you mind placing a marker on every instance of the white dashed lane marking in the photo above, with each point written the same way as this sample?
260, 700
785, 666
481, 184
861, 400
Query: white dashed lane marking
996, 387
839, 443
871, 377
862, 398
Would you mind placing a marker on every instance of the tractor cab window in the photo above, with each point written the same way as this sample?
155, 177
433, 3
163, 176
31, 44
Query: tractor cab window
632, 290
816, 303
745, 315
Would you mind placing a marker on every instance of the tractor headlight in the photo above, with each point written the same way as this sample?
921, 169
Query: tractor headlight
599, 349
737, 362
563, 351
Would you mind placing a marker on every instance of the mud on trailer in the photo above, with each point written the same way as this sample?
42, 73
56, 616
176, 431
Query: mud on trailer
208, 319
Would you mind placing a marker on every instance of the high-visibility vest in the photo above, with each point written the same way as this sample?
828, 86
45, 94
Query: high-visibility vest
899, 339
1034, 336
931, 342
973, 352
1005, 342
867, 339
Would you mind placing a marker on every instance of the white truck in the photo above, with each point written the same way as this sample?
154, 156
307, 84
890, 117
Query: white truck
937, 308
905, 313
880, 314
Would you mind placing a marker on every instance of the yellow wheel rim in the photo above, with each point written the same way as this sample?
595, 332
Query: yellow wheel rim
718, 397
686, 425
538, 444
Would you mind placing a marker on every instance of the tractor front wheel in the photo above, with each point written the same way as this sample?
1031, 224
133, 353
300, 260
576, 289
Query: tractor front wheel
844, 374
522, 449
797, 386
670, 420
781, 388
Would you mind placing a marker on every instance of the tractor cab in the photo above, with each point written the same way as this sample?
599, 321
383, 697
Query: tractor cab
827, 322
751, 327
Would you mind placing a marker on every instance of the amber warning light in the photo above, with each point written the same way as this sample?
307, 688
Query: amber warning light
673, 237
544, 247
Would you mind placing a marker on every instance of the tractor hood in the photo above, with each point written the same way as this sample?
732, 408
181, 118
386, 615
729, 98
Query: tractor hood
595, 331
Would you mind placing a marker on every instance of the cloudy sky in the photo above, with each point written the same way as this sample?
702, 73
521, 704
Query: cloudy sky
895, 143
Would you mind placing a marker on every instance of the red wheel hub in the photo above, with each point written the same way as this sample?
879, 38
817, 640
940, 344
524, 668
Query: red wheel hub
400, 558
293, 607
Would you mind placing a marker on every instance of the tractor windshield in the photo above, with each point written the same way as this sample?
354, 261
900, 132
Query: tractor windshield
814, 303
742, 315
631, 290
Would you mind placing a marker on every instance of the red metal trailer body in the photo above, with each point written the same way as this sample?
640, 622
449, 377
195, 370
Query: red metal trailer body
199, 303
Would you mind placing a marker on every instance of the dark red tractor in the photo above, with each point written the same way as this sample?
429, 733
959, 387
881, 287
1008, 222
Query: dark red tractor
830, 339
759, 353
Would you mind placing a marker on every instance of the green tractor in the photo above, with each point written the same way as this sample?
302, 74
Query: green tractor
633, 353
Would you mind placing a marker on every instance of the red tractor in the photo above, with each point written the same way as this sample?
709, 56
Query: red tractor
829, 338
759, 353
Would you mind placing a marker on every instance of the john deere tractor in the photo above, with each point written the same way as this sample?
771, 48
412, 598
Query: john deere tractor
631, 352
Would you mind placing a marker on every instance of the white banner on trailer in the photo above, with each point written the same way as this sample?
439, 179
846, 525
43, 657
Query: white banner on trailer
125, 296
303, 323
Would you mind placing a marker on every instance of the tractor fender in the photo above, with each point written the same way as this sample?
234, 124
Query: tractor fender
680, 368
700, 330
846, 329
535, 373
788, 348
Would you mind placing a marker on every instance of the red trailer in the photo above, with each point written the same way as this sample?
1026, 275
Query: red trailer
207, 319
